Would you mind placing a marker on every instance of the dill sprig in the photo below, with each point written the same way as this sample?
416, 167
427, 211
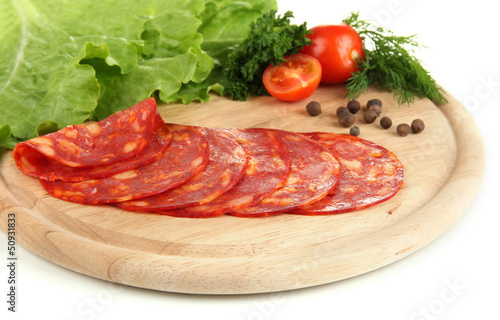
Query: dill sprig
390, 63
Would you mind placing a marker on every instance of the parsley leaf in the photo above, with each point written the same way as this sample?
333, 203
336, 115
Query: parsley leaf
270, 39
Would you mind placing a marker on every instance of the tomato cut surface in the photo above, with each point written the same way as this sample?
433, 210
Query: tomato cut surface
338, 48
294, 80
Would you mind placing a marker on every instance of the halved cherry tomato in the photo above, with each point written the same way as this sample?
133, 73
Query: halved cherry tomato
293, 80
337, 47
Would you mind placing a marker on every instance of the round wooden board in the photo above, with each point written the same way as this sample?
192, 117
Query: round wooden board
443, 165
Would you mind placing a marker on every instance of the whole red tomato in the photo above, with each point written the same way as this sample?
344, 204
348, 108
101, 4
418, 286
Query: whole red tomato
338, 48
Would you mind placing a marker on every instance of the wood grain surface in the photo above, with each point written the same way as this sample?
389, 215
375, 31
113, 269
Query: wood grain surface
443, 166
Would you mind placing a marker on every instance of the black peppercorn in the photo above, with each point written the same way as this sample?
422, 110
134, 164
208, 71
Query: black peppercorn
353, 106
346, 119
376, 108
341, 110
403, 129
313, 108
354, 131
385, 122
370, 116
372, 102
417, 126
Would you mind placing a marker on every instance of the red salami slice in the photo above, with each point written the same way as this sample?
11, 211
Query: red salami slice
314, 172
268, 168
186, 156
225, 167
118, 137
38, 165
370, 174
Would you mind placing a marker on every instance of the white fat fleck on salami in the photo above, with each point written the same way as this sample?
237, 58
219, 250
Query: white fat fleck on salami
389, 169
370, 174
87, 184
121, 189
314, 171
348, 189
173, 168
293, 179
126, 175
190, 187
37, 165
263, 177
279, 201
129, 147
353, 165
94, 128
45, 146
72, 134
314, 187
136, 126
241, 201
252, 167
26, 165
118, 137
226, 165
65, 193
140, 203
196, 162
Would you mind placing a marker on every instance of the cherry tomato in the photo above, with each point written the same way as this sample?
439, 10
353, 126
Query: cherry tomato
293, 80
338, 48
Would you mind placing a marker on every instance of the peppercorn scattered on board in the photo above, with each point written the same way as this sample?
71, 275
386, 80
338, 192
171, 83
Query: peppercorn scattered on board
443, 168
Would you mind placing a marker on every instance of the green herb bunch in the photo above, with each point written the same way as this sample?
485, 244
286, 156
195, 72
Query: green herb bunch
392, 65
270, 39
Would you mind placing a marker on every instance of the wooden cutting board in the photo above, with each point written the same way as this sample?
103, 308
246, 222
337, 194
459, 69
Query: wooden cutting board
229, 255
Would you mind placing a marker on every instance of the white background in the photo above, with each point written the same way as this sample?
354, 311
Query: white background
455, 277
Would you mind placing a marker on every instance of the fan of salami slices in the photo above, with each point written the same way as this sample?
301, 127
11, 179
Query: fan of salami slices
136, 161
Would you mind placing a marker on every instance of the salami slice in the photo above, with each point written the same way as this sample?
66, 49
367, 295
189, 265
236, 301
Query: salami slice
39, 166
370, 174
315, 171
268, 168
186, 156
225, 167
118, 137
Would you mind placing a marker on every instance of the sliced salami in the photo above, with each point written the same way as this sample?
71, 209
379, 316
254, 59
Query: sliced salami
314, 172
39, 166
118, 137
268, 168
370, 174
226, 165
186, 156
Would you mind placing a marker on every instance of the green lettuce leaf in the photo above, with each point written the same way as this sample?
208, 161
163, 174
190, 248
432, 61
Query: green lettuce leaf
5, 134
173, 57
40, 79
162, 76
65, 62
225, 24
